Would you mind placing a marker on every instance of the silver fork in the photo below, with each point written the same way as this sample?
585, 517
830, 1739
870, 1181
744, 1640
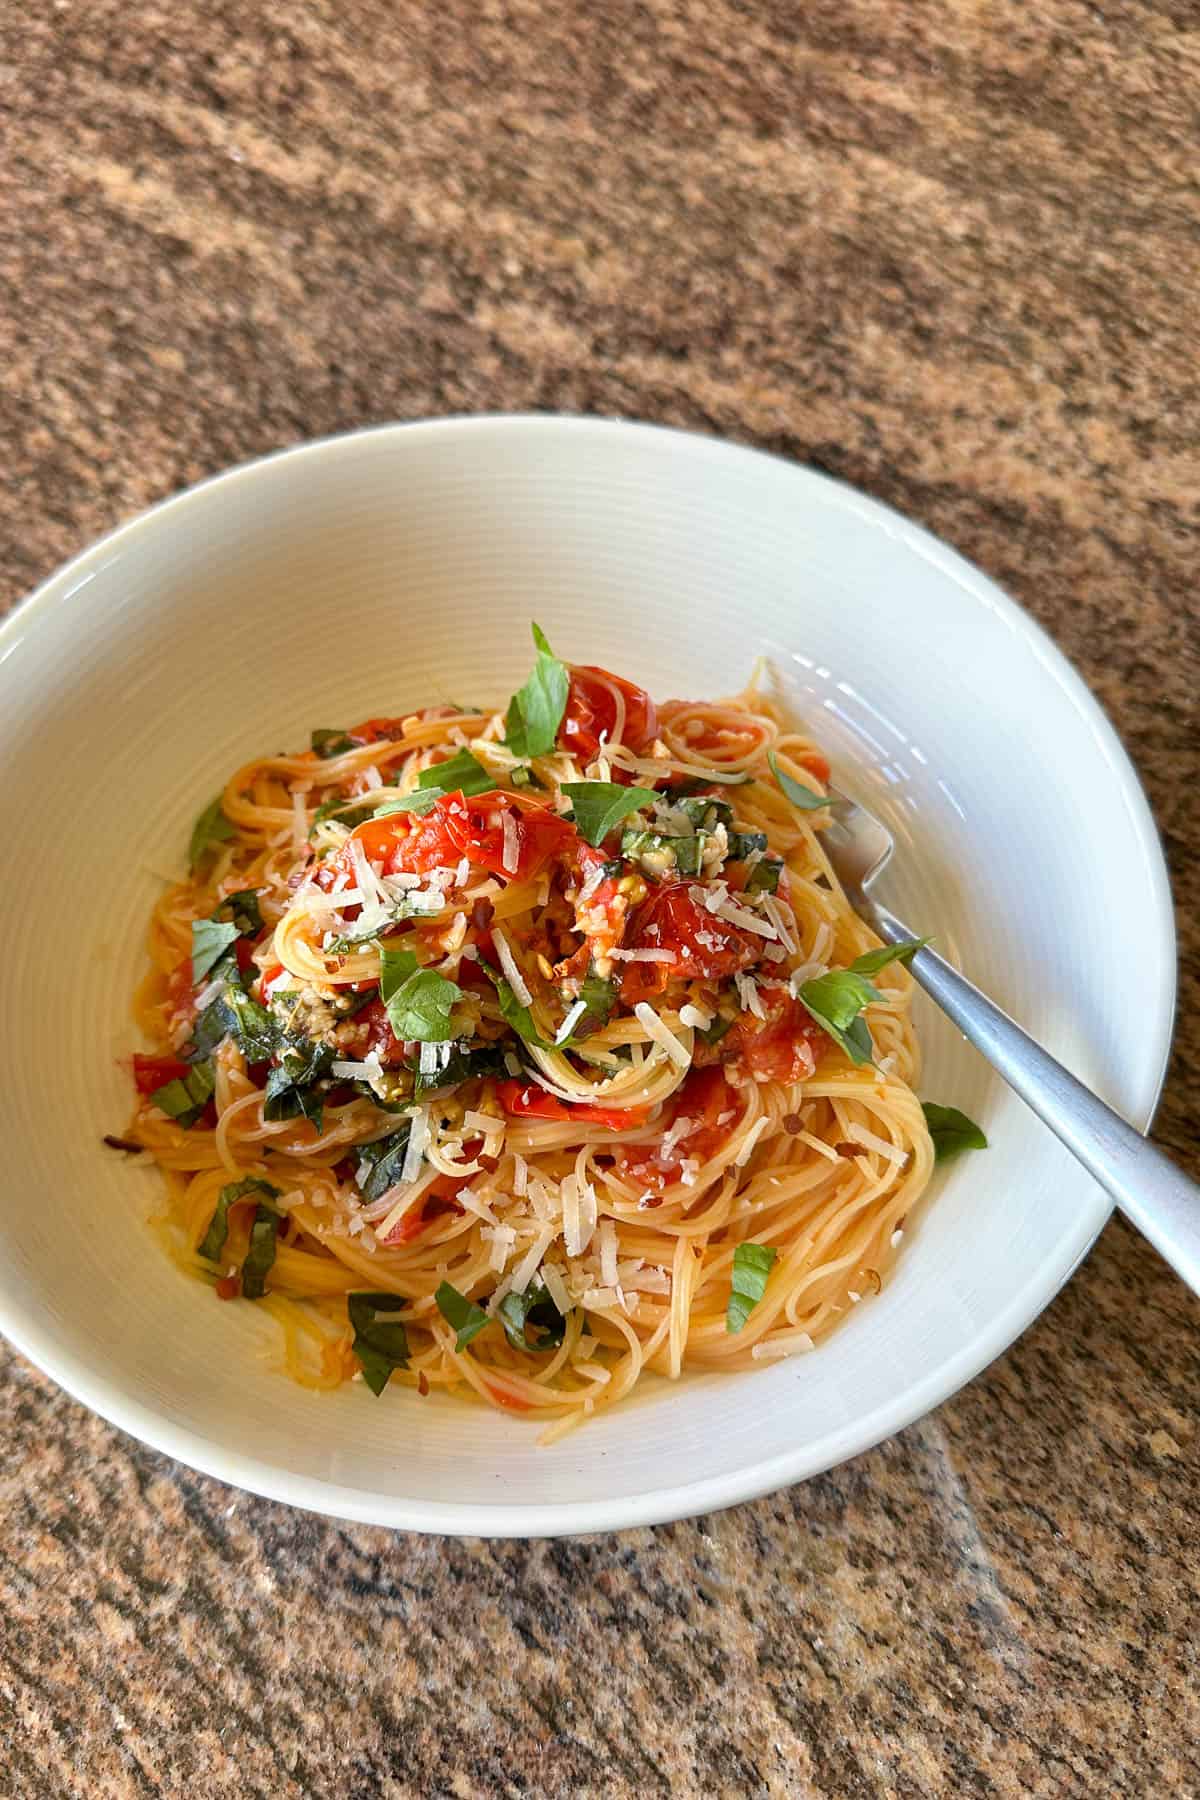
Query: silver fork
1152, 1193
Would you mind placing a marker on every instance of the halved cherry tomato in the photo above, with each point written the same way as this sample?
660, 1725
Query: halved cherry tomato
526, 1100
433, 1205
457, 826
705, 1098
150, 1072
816, 763
373, 1020
591, 712
269, 975
782, 1047
704, 947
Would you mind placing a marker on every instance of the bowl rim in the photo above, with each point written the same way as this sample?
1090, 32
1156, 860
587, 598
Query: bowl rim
689, 1498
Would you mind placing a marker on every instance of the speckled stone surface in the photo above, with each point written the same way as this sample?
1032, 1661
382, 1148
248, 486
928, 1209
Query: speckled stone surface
950, 253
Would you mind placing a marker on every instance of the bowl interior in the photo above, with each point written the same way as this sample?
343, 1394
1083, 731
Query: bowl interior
379, 572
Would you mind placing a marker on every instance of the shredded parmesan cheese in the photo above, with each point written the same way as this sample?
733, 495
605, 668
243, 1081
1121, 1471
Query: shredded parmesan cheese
570, 1022
418, 1137
752, 1136
695, 1017
512, 973
870, 1140
510, 854
661, 1034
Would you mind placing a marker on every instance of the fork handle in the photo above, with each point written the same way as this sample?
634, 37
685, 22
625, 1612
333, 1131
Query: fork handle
1153, 1194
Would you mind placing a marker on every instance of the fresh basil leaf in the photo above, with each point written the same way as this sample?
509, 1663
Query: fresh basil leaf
800, 796
534, 1307
418, 1001
665, 853
836, 1001
210, 940
210, 829
599, 806
331, 743
752, 1263
463, 774
213, 1241
418, 802
764, 876
185, 1098
380, 1163
523, 777
242, 910
535, 713
380, 1341
952, 1132
518, 1018
874, 960
467, 1319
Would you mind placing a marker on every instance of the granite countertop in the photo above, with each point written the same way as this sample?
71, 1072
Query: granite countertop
949, 253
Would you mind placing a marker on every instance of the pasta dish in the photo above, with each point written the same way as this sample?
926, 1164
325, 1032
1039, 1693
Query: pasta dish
523, 1053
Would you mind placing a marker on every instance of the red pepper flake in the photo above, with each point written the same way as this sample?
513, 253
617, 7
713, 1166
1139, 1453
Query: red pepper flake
422, 1383
482, 913
229, 1287
793, 1124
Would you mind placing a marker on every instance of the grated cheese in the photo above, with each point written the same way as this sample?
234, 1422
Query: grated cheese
643, 956
775, 913
752, 1136
463, 873
747, 989
695, 1017
775, 1349
508, 964
510, 853
662, 1034
418, 1137
747, 920
530, 1263
299, 819
570, 1022
520, 1174
870, 1140
556, 1287
608, 1254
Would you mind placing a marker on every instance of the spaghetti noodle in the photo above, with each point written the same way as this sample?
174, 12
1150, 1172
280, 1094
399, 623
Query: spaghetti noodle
522, 1054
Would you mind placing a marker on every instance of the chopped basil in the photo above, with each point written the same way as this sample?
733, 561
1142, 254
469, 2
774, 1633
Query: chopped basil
464, 1065
210, 940
599, 806
213, 1242
800, 796
599, 995
712, 1034
467, 1319
534, 1307
463, 774
260, 1257
764, 876
380, 1163
704, 811
331, 743
211, 828
347, 812
523, 777
657, 853
836, 1001
256, 1032
418, 1001
291, 1090
242, 910
185, 1098
752, 1263
874, 960
743, 843
518, 1018
380, 1340
952, 1132
535, 713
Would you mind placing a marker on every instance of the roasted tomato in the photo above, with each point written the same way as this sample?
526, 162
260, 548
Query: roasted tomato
703, 947
783, 1046
708, 1102
591, 714
150, 1072
526, 1100
457, 827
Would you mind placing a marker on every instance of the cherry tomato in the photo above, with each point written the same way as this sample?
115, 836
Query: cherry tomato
816, 763
704, 947
705, 1098
434, 1204
782, 1047
150, 1072
456, 826
526, 1100
592, 712
373, 1020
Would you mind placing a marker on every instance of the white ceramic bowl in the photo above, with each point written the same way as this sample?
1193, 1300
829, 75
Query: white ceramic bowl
376, 572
